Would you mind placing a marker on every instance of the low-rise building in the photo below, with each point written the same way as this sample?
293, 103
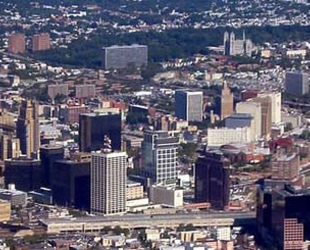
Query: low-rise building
5, 210
167, 195
16, 197
134, 190
220, 136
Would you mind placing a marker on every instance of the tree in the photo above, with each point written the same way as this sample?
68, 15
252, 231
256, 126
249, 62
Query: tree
187, 151
288, 127
188, 227
59, 98
118, 231
305, 135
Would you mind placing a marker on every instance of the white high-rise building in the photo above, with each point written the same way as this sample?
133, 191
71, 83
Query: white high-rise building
255, 110
108, 183
188, 105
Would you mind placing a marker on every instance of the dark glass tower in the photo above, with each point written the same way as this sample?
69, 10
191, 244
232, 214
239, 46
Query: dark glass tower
212, 179
72, 185
48, 155
25, 173
93, 128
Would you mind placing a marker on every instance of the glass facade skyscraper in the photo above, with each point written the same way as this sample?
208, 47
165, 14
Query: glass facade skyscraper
159, 156
188, 105
95, 126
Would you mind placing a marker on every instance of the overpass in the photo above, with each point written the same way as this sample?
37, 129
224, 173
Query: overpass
134, 221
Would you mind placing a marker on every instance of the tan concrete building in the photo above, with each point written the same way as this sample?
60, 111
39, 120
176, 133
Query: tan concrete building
134, 190
5, 210
9, 146
227, 102
28, 129
276, 99
266, 119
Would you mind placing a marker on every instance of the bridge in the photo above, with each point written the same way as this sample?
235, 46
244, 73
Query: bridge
135, 221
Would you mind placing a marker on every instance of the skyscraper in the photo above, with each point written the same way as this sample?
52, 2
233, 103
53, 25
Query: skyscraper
283, 214
188, 105
293, 234
227, 102
212, 172
28, 129
17, 43
41, 42
266, 118
159, 156
108, 181
296, 83
276, 98
48, 155
95, 126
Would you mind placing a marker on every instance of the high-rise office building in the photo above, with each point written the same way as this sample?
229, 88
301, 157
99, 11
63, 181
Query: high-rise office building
266, 117
108, 182
95, 126
118, 57
276, 99
28, 129
188, 105
159, 156
17, 43
41, 42
293, 234
25, 173
48, 155
227, 102
212, 171
296, 83
72, 185
282, 214
233, 46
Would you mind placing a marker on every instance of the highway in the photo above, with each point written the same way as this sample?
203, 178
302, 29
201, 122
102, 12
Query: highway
199, 219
